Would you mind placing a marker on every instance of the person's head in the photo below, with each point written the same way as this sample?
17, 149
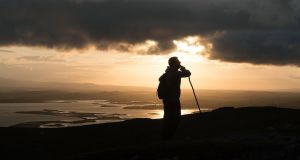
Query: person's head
174, 62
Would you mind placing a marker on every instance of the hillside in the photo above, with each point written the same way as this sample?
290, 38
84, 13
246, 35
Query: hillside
265, 133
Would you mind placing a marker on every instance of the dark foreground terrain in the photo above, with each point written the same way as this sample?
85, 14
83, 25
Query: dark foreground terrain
256, 133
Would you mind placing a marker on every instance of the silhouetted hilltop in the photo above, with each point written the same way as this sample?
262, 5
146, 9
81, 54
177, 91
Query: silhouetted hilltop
225, 133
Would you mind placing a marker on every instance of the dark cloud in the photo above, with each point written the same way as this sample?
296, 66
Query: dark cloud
75, 24
258, 47
255, 31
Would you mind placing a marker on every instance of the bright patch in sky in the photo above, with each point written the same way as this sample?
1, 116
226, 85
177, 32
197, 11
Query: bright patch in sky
189, 49
130, 68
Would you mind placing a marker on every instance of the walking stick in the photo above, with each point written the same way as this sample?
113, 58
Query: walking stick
195, 95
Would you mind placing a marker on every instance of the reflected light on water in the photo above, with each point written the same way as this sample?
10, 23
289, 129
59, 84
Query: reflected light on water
156, 114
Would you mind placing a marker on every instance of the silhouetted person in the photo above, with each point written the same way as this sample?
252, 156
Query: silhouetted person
172, 107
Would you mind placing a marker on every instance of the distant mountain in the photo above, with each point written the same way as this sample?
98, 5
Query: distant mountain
20, 85
290, 90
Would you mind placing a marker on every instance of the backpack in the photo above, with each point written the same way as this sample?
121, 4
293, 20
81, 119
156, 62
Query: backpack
162, 87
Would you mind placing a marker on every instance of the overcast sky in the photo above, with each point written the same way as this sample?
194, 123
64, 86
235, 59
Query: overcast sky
227, 44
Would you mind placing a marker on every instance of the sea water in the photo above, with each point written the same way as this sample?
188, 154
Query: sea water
63, 113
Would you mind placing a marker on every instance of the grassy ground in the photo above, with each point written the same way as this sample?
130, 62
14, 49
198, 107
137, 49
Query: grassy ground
227, 133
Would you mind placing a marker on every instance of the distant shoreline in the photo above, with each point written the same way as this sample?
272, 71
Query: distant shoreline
226, 133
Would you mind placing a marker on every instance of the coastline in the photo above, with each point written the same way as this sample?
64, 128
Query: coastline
225, 133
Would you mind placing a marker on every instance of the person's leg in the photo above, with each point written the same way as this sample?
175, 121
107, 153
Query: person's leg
175, 117
166, 120
172, 114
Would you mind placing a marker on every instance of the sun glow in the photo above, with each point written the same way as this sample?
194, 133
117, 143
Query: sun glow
189, 49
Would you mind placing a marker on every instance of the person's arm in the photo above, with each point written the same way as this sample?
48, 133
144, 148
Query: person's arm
184, 72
